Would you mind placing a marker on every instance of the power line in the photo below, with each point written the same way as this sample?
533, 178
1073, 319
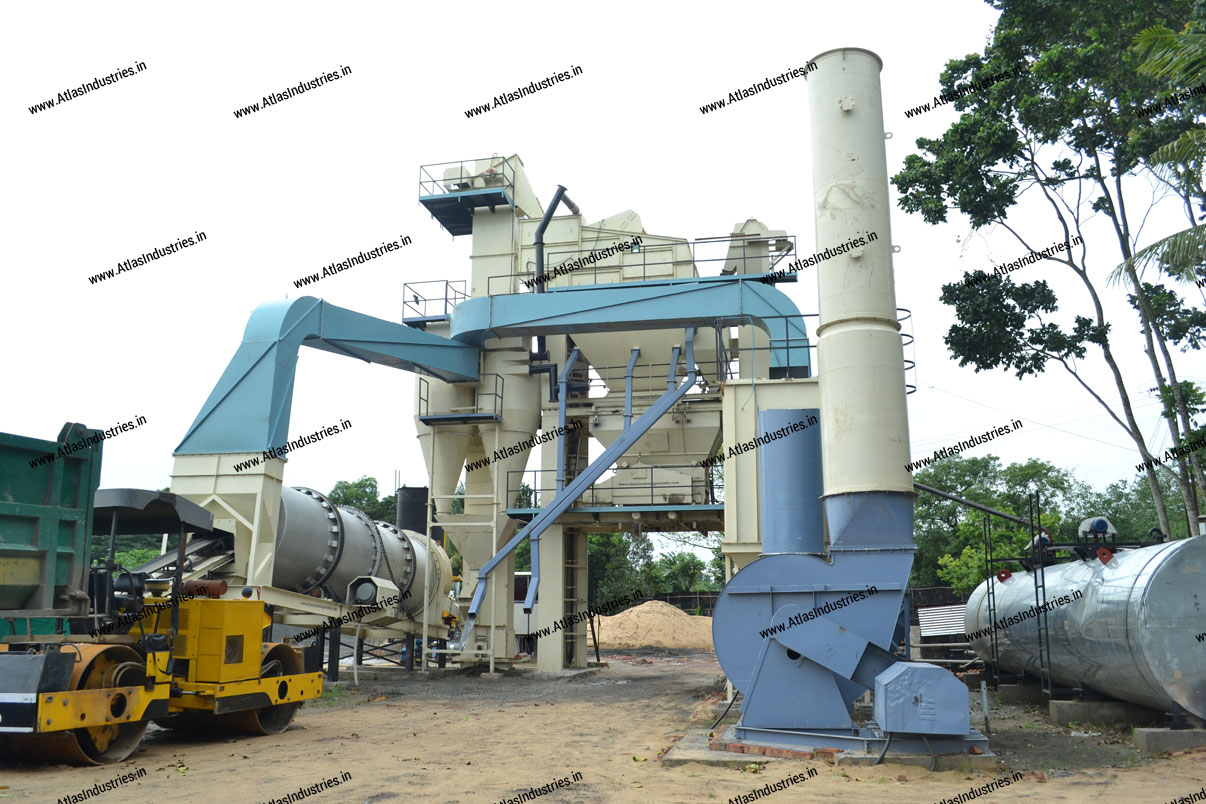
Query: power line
1035, 421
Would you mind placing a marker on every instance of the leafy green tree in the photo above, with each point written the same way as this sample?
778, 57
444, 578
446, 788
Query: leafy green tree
1059, 135
716, 567
1176, 58
937, 521
966, 571
649, 574
682, 572
612, 573
950, 536
129, 543
132, 559
523, 556
1127, 504
362, 494
1179, 58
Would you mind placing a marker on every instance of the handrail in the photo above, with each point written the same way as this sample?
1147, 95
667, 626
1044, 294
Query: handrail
532, 281
433, 186
709, 482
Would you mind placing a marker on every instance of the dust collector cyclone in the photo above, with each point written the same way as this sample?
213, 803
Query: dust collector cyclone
1132, 636
327, 546
800, 631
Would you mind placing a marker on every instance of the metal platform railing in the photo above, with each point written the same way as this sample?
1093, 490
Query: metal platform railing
487, 403
440, 178
786, 343
647, 261
420, 303
706, 488
647, 378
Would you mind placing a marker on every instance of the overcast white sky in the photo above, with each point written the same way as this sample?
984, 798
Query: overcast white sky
316, 178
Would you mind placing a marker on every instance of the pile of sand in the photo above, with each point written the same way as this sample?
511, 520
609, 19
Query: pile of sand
654, 624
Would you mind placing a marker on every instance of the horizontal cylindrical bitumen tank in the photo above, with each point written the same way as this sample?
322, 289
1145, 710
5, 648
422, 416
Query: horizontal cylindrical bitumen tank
320, 544
1133, 634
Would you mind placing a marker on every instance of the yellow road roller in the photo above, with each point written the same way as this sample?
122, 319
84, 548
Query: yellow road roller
90, 655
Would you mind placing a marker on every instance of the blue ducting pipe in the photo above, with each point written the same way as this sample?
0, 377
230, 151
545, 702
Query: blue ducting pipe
248, 409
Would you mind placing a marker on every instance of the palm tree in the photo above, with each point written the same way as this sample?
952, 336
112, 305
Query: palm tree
1179, 58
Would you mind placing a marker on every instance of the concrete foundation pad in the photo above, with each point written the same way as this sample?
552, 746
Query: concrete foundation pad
725, 750
1103, 713
694, 748
377, 674
1155, 741
1021, 694
734, 712
973, 678
571, 673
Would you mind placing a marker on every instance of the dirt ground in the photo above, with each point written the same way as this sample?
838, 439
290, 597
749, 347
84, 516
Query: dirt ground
459, 738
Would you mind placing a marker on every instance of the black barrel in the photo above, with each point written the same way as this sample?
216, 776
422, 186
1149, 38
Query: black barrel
412, 508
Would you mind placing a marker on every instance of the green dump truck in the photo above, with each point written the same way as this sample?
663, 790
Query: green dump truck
47, 490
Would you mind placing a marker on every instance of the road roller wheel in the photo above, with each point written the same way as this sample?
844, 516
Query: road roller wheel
99, 667
279, 660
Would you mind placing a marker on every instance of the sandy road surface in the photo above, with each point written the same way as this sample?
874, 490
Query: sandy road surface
463, 739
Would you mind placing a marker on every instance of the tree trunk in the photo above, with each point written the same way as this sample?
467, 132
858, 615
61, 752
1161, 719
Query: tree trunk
1117, 215
1132, 425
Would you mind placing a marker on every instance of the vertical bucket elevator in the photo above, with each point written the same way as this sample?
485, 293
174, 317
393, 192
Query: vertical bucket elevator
801, 669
